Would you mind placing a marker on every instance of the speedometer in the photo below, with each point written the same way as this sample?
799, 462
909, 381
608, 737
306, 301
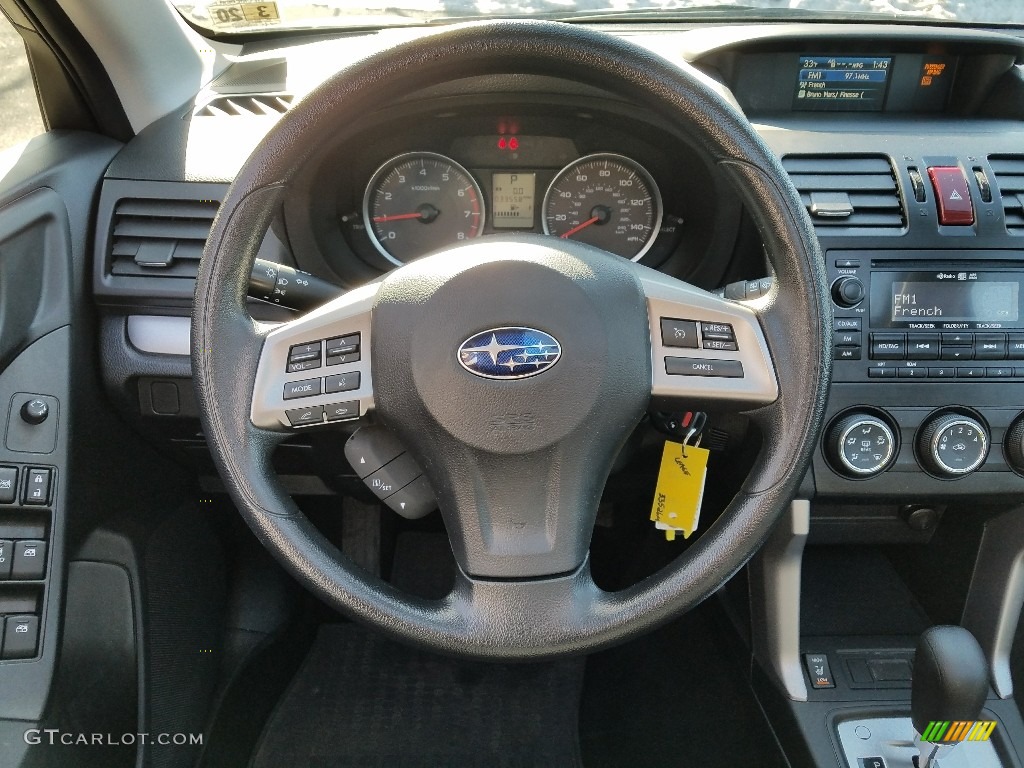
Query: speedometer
606, 200
420, 202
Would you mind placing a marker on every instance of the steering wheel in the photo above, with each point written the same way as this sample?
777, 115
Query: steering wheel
519, 504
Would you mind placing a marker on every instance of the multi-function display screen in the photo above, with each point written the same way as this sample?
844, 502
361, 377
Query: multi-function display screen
954, 299
513, 199
842, 83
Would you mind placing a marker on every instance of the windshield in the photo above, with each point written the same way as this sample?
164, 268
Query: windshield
224, 16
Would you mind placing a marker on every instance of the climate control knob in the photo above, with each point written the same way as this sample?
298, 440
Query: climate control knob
1013, 445
952, 445
848, 292
860, 445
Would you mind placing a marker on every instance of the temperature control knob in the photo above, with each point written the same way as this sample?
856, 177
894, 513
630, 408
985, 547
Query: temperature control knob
861, 445
1013, 445
848, 292
952, 445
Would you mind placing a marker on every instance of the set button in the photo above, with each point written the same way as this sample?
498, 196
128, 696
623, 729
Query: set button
684, 334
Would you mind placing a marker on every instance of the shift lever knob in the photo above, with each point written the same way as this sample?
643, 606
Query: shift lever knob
950, 677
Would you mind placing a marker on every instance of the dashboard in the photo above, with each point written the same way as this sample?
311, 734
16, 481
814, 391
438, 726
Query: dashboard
905, 151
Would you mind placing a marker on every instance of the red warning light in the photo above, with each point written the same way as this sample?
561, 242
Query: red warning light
513, 143
502, 143
510, 143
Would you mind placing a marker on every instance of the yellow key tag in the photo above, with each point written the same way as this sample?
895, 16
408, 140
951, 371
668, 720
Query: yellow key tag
680, 489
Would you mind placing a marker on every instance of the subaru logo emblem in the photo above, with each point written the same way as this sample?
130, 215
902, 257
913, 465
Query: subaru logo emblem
509, 353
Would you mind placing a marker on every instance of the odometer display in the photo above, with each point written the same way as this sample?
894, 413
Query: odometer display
419, 203
608, 201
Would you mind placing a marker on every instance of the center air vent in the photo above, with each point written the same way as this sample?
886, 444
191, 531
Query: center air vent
1008, 171
855, 195
262, 105
159, 238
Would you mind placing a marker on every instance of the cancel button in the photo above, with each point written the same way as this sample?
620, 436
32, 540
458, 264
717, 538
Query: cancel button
693, 366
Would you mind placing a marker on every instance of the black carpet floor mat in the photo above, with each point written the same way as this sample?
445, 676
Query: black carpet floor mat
362, 701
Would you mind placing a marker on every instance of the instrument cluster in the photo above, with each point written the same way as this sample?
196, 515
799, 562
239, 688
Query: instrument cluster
417, 183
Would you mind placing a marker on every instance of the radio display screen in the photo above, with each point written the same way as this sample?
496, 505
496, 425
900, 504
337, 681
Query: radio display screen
962, 300
842, 83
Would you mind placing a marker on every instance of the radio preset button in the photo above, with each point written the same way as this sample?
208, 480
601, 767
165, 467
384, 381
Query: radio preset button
881, 373
941, 373
998, 373
970, 373
912, 373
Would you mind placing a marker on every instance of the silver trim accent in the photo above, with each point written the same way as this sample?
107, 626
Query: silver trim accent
160, 335
874, 421
934, 447
670, 298
394, 161
775, 571
893, 739
349, 313
632, 165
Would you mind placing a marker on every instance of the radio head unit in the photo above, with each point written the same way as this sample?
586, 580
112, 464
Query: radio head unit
946, 300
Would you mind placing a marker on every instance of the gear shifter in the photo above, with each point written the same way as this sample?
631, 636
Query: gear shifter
950, 684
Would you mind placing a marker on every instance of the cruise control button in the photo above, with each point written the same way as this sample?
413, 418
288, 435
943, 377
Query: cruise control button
723, 346
21, 635
29, 560
394, 475
342, 411
312, 414
722, 331
8, 485
305, 388
692, 366
342, 382
678, 333
37, 486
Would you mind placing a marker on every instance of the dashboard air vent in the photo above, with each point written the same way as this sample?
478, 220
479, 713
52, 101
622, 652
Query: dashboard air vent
848, 195
1008, 171
262, 105
159, 238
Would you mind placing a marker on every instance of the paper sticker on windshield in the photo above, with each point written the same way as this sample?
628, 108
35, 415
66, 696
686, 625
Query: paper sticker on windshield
243, 14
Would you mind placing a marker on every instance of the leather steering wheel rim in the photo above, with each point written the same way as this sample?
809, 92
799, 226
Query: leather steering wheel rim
564, 613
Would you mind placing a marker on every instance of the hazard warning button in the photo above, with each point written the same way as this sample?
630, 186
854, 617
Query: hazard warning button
951, 195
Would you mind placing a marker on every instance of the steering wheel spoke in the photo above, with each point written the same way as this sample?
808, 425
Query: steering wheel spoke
316, 370
706, 351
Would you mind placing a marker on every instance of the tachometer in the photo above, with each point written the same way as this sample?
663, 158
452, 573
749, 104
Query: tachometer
420, 202
606, 200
